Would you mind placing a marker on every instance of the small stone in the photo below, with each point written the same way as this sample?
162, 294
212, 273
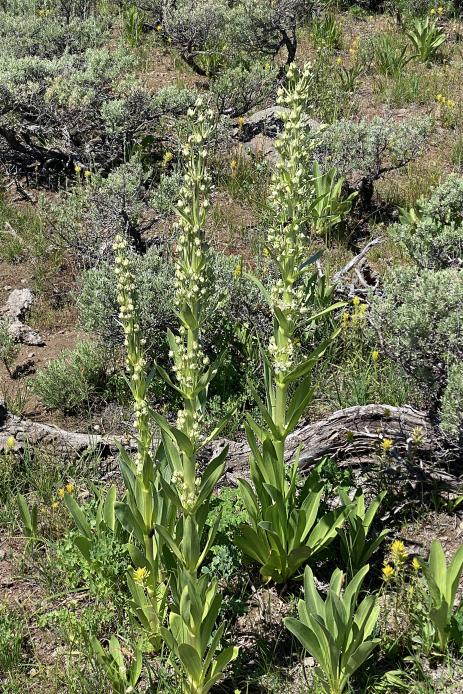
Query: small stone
31, 355
7, 288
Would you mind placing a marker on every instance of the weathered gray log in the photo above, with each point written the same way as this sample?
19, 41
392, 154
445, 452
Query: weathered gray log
17, 433
351, 433
352, 436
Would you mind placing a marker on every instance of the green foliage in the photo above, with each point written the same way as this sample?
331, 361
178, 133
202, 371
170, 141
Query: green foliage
432, 232
418, 317
452, 403
233, 317
350, 75
390, 57
95, 556
356, 547
336, 632
240, 88
74, 381
330, 206
326, 33
9, 348
364, 152
11, 639
133, 25
166, 194
28, 518
442, 581
283, 530
123, 680
426, 37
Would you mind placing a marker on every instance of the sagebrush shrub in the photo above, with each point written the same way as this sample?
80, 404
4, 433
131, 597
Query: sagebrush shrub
237, 303
75, 380
433, 232
419, 322
452, 403
366, 151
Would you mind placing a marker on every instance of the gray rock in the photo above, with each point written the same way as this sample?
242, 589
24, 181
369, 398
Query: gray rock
24, 334
18, 303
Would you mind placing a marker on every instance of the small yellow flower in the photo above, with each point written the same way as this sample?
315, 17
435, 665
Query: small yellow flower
241, 122
386, 445
77, 169
388, 573
433, 11
233, 166
140, 574
168, 156
158, 27
450, 103
87, 173
61, 492
69, 487
339, 61
55, 505
345, 317
266, 252
398, 552
440, 10
237, 271
375, 355
10, 443
356, 301
416, 564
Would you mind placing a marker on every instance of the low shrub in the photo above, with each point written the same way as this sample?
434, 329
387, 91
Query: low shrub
75, 380
433, 232
418, 320
366, 151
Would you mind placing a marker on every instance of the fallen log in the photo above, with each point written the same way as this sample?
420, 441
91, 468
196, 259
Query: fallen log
351, 436
17, 434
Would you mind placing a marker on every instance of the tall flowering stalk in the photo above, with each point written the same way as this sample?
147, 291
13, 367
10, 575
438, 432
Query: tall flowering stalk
191, 634
283, 531
144, 505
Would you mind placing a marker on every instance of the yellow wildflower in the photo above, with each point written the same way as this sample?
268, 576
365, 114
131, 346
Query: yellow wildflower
69, 487
10, 443
356, 301
339, 61
345, 317
388, 573
266, 252
440, 10
237, 271
61, 492
55, 505
386, 445
168, 156
77, 169
241, 121
87, 173
158, 27
398, 552
140, 574
450, 103
375, 355
416, 564
433, 11
233, 166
